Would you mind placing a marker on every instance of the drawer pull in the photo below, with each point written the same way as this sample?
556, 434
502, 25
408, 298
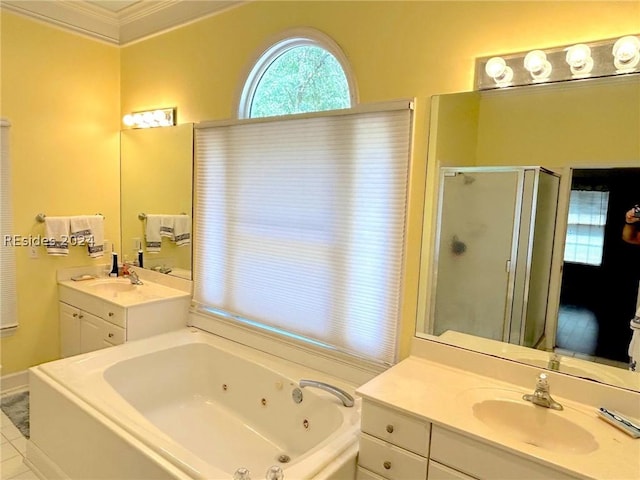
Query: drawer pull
80, 316
111, 314
75, 315
390, 428
111, 335
387, 465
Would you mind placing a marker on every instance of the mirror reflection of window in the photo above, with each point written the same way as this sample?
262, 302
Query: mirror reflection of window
585, 228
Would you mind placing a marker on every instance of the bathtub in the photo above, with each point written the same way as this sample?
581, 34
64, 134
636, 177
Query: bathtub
187, 405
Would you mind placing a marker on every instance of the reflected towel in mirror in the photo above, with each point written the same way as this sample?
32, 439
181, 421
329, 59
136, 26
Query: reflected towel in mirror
182, 230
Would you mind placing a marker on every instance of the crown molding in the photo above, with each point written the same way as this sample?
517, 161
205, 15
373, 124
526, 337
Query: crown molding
132, 23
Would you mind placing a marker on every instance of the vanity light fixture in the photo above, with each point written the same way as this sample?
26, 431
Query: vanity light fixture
162, 117
602, 58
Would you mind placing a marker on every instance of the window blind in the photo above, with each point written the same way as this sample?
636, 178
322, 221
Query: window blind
300, 226
8, 314
585, 227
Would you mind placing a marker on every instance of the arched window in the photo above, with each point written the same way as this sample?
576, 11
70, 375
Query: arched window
305, 72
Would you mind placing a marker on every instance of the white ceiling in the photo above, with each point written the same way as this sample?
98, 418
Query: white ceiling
118, 21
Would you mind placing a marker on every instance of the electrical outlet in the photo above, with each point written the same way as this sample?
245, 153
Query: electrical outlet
33, 252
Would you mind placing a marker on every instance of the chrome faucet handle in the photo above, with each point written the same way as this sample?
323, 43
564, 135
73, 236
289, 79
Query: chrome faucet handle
134, 279
542, 383
541, 395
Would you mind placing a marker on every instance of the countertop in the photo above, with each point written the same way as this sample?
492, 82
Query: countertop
444, 396
148, 292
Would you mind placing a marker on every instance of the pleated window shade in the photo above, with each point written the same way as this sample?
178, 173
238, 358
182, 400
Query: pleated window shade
8, 313
300, 226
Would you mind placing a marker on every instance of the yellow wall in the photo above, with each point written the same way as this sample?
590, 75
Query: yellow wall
396, 49
61, 94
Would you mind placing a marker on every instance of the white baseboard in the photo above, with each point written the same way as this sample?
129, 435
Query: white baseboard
14, 381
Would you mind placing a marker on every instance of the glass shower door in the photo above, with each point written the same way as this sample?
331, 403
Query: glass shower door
475, 243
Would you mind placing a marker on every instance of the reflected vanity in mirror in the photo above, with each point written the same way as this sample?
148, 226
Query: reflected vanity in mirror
156, 179
585, 133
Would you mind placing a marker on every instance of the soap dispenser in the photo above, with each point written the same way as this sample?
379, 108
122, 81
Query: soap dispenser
114, 265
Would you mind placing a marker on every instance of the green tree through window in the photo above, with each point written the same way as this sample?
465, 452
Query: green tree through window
302, 79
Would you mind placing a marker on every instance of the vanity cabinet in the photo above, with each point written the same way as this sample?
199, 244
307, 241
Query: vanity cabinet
397, 446
82, 331
393, 445
88, 322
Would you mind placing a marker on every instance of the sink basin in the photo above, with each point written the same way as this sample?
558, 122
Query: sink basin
112, 286
534, 425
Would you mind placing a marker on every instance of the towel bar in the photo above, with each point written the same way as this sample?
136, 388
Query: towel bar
143, 216
41, 216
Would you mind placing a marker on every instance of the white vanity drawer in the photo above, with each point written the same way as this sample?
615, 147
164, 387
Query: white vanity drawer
114, 334
114, 314
441, 472
484, 461
390, 461
364, 474
396, 427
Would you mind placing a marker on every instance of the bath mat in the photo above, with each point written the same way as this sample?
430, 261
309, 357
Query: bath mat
16, 407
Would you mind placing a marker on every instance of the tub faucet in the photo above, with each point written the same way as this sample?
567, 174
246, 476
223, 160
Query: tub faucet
541, 394
345, 398
134, 279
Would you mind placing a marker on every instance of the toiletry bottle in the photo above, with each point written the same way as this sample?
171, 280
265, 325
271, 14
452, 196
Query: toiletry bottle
114, 265
140, 258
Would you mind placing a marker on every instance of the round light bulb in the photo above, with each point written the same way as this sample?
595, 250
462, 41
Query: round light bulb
626, 53
497, 69
128, 120
147, 117
159, 116
579, 59
536, 63
137, 120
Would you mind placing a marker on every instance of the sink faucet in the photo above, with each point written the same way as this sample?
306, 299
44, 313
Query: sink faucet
134, 279
541, 394
345, 398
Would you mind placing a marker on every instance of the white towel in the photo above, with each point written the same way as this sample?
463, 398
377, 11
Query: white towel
166, 226
88, 230
152, 233
634, 345
182, 230
96, 245
56, 231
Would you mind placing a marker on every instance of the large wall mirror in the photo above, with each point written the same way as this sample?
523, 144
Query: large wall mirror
156, 179
587, 134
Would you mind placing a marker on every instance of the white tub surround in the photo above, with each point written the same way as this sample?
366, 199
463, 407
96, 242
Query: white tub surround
450, 431
187, 404
103, 312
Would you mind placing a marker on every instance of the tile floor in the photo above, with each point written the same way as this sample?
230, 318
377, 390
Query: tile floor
577, 330
12, 451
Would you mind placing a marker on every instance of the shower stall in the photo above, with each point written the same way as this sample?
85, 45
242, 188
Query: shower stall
493, 250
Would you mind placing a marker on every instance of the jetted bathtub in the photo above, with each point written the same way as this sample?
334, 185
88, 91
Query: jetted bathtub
186, 404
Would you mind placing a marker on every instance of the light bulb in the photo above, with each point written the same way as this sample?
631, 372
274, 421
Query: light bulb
579, 59
128, 120
497, 69
137, 120
159, 116
536, 63
626, 53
